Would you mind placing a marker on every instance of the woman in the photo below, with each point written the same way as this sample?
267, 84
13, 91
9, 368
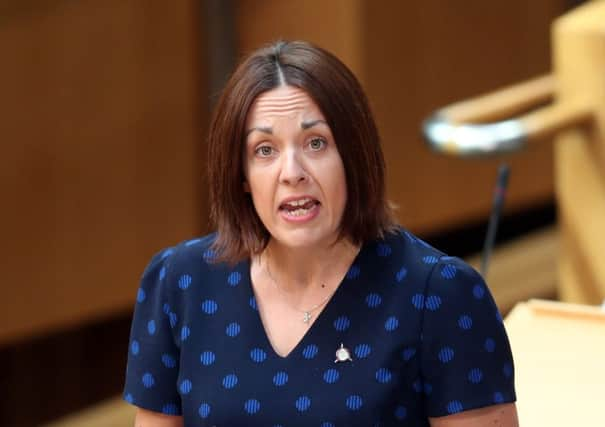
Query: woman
310, 306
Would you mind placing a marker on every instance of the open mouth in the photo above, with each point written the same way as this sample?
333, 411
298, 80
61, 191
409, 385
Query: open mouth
299, 207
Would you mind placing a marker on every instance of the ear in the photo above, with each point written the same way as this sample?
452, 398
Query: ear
246, 186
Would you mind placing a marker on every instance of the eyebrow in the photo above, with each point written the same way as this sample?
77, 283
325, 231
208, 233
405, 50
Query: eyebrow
269, 130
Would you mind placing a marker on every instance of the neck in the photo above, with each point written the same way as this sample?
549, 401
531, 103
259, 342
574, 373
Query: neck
301, 268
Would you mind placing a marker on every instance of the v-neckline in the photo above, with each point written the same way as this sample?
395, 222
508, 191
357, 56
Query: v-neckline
318, 320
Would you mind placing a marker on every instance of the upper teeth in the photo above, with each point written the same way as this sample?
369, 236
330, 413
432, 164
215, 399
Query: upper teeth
299, 202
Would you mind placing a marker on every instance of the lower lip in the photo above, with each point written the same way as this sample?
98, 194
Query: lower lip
313, 212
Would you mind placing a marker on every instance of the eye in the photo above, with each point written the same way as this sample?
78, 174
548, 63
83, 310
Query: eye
264, 151
317, 144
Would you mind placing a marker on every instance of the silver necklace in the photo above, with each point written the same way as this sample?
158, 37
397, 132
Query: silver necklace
307, 314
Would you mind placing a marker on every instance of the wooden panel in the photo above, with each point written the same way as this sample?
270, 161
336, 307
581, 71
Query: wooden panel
101, 153
412, 58
581, 197
579, 46
421, 56
337, 25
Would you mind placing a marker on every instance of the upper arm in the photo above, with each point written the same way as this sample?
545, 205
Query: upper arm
153, 357
145, 418
497, 415
466, 361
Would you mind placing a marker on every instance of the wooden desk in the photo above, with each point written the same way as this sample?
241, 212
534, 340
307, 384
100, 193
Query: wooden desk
559, 353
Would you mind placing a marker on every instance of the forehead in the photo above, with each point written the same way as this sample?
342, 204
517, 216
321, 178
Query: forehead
283, 101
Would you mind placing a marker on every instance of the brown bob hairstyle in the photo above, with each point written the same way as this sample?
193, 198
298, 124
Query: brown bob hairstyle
339, 96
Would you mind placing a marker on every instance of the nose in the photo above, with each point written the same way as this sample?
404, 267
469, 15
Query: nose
292, 170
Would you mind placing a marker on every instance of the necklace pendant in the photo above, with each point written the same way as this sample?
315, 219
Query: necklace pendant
343, 354
307, 317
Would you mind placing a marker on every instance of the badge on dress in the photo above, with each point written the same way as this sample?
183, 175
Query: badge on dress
343, 354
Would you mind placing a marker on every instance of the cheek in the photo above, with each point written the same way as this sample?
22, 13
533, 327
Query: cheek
261, 190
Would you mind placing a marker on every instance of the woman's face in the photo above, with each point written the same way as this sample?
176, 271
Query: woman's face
293, 169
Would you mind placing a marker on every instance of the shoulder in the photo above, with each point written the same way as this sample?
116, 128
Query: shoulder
429, 269
411, 257
193, 254
179, 266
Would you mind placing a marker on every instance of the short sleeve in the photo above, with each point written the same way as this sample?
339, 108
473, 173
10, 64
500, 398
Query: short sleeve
466, 360
153, 356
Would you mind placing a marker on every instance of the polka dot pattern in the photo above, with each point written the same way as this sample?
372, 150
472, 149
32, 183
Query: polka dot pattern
252, 406
148, 380
185, 386
401, 274
173, 319
401, 412
168, 360
303, 403
185, 332
465, 322
258, 355
353, 272
408, 353
354, 402
362, 351
383, 250
475, 375
430, 259
230, 381
342, 323
446, 354
185, 281
208, 255
373, 300
331, 376
448, 272
310, 351
383, 375
391, 323
454, 407
408, 312
134, 347
507, 370
204, 410
170, 409
280, 379
418, 301
433, 302
234, 278
233, 329
478, 291
427, 388
209, 306
207, 358
151, 327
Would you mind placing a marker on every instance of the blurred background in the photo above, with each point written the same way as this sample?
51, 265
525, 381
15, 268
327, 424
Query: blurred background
103, 115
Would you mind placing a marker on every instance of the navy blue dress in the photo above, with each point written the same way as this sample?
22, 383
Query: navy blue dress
421, 329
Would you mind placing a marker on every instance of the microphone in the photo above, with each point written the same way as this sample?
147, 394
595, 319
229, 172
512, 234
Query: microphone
497, 204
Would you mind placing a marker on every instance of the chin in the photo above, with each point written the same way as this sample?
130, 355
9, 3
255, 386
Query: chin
301, 239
